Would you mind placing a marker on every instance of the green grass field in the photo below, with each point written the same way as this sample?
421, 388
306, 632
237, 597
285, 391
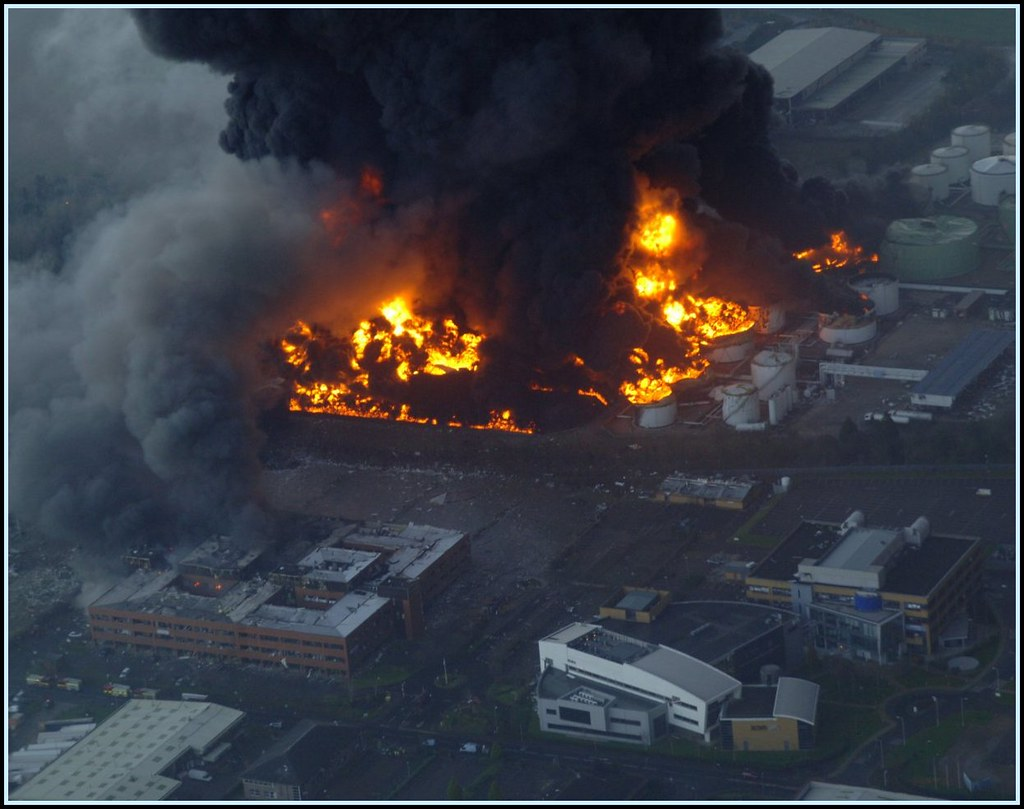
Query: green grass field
994, 26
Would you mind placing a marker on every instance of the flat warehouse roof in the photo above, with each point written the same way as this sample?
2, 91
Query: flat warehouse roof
799, 57
916, 572
122, 759
961, 366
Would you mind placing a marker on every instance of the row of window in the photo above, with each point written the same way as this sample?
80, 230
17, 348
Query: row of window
164, 630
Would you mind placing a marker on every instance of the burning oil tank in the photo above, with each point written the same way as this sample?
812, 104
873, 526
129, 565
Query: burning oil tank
1008, 216
661, 413
848, 329
929, 249
771, 371
955, 158
1010, 144
933, 179
769, 317
732, 347
976, 137
881, 288
740, 404
992, 177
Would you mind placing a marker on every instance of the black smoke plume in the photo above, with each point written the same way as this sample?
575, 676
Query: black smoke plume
527, 130
511, 145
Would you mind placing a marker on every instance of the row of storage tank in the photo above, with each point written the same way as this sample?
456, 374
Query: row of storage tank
773, 380
969, 158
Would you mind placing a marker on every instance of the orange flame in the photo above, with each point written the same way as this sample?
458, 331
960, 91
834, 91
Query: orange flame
838, 253
398, 342
698, 321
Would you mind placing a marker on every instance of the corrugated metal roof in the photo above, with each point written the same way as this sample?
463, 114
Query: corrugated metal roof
797, 699
800, 57
121, 759
961, 366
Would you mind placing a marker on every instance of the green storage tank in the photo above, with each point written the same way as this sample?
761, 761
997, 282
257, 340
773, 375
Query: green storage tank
1008, 216
929, 249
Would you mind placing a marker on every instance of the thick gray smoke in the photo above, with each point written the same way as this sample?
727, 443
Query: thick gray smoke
511, 143
130, 321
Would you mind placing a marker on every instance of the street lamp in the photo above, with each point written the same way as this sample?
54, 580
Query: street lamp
936, 701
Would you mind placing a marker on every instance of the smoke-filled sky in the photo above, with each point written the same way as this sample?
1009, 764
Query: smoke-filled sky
169, 174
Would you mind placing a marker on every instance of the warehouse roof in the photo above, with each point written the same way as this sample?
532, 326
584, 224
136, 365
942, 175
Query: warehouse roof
961, 366
699, 488
875, 64
914, 571
122, 760
824, 792
802, 56
710, 630
917, 571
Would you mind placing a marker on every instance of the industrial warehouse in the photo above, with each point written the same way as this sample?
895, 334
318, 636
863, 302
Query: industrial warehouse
327, 612
874, 593
817, 71
140, 754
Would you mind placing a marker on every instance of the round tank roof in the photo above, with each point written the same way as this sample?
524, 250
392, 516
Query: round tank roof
933, 230
739, 389
968, 130
929, 169
872, 279
998, 164
771, 358
949, 151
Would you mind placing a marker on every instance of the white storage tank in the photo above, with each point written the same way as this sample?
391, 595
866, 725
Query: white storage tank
1010, 145
740, 404
955, 158
993, 177
661, 413
779, 405
976, 137
732, 347
849, 330
932, 177
882, 289
772, 371
769, 317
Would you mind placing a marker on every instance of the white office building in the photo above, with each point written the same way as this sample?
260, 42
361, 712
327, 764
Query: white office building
608, 664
